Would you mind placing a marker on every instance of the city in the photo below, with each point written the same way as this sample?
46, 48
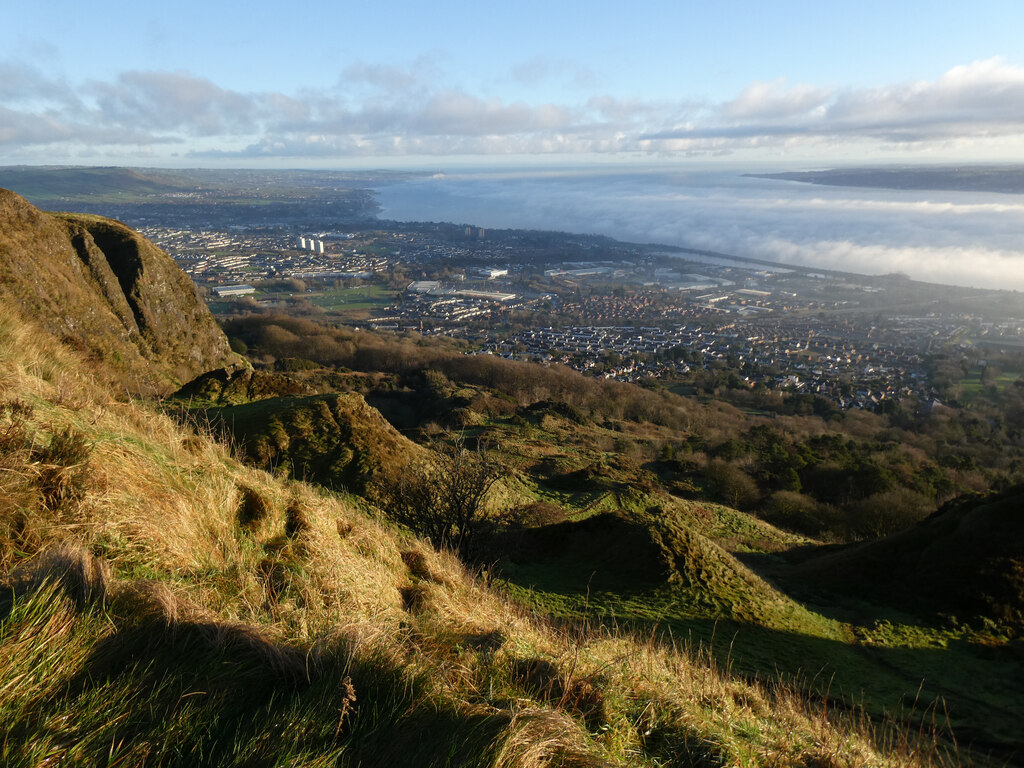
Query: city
614, 310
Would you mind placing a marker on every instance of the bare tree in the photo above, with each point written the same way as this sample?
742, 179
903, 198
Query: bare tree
442, 498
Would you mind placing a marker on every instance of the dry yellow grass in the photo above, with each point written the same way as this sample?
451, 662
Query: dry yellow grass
310, 570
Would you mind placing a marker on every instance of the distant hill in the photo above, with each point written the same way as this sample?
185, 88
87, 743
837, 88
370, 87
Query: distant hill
102, 288
56, 184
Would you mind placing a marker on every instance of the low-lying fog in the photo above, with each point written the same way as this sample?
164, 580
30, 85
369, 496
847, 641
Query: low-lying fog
962, 238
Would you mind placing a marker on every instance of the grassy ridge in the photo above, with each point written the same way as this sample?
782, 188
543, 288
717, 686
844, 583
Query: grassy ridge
591, 536
165, 605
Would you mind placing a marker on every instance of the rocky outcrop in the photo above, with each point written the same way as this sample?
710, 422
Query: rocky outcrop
336, 440
104, 289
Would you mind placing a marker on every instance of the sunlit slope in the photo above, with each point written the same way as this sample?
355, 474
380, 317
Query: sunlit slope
104, 289
165, 605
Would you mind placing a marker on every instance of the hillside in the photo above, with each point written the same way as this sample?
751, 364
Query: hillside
163, 604
60, 184
965, 562
608, 515
101, 288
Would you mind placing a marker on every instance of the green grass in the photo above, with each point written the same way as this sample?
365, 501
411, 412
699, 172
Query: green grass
973, 389
882, 665
351, 299
856, 654
92, 688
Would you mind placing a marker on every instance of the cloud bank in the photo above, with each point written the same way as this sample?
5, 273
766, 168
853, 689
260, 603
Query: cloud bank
953, 238
381, 111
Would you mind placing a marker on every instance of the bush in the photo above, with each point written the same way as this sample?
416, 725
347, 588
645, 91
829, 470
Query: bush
887, 512
731, 485
795, 512
442, 499
294, 364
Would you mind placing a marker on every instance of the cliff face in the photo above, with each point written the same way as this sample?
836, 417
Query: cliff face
104, 289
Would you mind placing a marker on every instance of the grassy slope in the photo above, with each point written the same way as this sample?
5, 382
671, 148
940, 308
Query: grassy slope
706, 595
168, 606
882, 659
703, 594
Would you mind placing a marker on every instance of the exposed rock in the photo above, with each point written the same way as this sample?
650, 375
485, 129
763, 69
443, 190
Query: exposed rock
239, 384
104, 289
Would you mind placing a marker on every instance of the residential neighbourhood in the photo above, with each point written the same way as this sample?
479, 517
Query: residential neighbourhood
608, 309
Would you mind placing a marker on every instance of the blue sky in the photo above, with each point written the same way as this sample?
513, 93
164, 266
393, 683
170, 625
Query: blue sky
345, 84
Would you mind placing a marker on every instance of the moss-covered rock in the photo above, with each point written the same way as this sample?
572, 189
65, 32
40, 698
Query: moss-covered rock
336, 440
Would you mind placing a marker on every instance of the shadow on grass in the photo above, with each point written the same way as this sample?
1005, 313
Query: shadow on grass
154, 689
231, 697
962, 691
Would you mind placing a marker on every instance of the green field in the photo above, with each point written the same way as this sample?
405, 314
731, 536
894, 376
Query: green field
364, 297
973, 388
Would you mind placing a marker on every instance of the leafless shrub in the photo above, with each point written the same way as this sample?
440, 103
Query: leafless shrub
442, 499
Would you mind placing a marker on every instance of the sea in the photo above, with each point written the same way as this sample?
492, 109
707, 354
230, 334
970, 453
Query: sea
972, 239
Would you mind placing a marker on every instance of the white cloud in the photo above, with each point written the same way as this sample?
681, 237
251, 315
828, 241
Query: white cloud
543, 69
766, 101
975, 101
392, 80
385, 110
172, 101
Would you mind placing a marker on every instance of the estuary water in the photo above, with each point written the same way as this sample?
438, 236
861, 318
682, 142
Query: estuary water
960, 238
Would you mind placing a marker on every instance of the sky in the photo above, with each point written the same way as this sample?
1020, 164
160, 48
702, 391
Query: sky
410, 84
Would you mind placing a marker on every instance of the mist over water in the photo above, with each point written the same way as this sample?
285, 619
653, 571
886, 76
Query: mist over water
960, 238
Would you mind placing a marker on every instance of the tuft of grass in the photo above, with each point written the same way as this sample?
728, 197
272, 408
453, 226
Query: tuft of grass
63, 472
296, 520
253, 507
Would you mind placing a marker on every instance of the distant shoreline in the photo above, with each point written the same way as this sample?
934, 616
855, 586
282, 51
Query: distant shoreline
1001, 179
